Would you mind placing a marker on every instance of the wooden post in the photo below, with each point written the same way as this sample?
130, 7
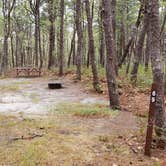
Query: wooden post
150, 120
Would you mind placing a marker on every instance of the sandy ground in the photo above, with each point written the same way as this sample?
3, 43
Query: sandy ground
32, 96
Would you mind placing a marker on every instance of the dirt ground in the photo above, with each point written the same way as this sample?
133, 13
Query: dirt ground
37, 127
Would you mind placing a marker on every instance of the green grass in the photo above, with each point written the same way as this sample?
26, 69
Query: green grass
22, 83
15, 86
83, 110
12, 87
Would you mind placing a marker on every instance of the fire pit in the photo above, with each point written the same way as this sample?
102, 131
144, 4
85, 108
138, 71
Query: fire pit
54, 85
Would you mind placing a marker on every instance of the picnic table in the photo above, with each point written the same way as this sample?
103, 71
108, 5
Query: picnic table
28, 71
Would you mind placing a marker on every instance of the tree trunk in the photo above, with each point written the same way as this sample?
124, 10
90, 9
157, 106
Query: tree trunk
61, 43
110, 48
39, 37
147, 51
12, 51
101, 39
51, 33
71, 49
80, 38
157, 67
92, 56
139, 47
36, 41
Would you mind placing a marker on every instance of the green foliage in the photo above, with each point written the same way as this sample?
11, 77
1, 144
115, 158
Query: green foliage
156, 164
144, 79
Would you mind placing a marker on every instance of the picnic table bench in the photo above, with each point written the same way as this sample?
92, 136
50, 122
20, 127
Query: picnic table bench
28, 71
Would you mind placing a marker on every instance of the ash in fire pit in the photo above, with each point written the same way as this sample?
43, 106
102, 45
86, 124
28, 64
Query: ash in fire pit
55, 85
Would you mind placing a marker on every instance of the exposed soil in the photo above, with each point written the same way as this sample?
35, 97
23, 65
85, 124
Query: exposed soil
68, 140
32, 96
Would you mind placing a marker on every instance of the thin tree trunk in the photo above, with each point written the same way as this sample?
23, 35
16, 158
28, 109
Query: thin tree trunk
12, 51
61, 51
96, 84
39, 37
80, 38
51, 34
129, 59
139, 48
133, 35
36, 42
71, 49
101, 38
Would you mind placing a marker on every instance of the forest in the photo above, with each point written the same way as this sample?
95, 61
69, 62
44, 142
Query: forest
83, 82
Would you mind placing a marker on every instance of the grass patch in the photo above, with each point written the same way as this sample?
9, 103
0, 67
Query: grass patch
13, 87
51, 149
22, 83
83, 110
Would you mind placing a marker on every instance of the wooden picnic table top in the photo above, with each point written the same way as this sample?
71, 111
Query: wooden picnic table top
25, 68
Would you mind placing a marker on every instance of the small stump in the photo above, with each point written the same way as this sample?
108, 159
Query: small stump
54, 85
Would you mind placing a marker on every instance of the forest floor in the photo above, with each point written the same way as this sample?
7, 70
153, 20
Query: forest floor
72, 126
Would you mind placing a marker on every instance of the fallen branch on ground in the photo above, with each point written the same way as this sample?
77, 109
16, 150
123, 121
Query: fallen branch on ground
27, 137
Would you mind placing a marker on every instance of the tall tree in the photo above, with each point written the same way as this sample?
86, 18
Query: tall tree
89, 14
157, 68
101, 37
80, 37
110, 57
35, 9
61, 42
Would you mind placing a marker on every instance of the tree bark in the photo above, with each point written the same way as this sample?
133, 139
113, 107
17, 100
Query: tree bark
80, 38
51, 33
92, 56
35, 8
110, 48
157, 67
72, 48
101, 37
139, 47
147, 51
61, 42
